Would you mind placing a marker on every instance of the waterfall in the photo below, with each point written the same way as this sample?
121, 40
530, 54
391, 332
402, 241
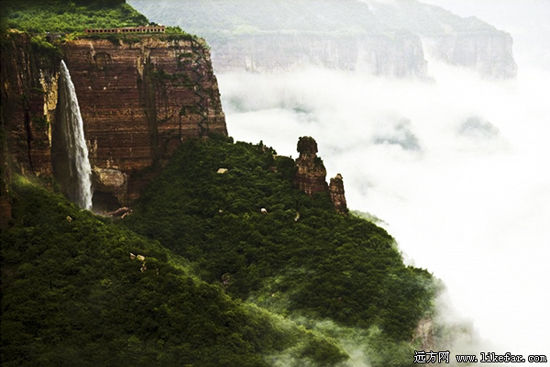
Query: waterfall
69, 151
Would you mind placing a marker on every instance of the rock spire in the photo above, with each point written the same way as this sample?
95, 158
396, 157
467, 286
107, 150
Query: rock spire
311, 174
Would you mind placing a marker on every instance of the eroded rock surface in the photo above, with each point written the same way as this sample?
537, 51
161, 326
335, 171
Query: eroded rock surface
310, 177
337, 194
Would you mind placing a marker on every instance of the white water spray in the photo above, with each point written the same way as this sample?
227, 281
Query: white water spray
79, 168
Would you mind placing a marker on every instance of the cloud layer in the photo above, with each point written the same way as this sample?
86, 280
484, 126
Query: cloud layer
456, 167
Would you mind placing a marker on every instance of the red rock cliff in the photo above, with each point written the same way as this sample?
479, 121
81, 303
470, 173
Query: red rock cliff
27, 106
29, 98
311, 173
337, 194
139, 99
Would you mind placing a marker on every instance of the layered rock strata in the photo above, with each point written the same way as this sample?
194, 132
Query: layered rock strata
139, 99
29, 98
489, 53
399, 55
377, 36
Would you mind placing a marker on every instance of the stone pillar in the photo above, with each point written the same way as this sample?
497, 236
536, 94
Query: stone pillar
310, 177
337, 194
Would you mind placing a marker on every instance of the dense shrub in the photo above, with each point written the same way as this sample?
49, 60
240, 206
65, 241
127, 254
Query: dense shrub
301, 257
72, 296
69, 16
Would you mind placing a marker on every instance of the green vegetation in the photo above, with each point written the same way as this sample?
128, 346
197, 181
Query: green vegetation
73, 17
69, 16
320, 266
172, 34
222, 284
72, 296
232, 287
43, 49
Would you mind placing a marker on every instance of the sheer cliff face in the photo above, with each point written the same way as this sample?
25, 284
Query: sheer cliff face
467, 42
397, 55
29, 98
380, 37
138, 101
488, 53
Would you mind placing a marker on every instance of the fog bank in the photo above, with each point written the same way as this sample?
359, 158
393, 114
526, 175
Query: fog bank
455, 167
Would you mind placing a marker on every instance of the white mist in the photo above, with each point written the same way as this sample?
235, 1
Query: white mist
471, 204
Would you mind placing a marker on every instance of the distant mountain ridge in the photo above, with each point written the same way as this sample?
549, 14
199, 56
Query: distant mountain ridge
383, 38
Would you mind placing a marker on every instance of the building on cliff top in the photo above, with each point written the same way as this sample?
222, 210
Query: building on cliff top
138, 29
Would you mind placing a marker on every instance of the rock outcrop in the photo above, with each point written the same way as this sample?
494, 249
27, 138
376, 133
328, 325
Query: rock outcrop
139, 99
111, 185
337, 194
311, 174
424, 334
268, 35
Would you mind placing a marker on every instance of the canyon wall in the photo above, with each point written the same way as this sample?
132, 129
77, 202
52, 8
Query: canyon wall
139, 99
398, 54
29, 98
489, 53
463, 41
389, 38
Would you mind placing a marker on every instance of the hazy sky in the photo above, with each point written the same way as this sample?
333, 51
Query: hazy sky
472, 202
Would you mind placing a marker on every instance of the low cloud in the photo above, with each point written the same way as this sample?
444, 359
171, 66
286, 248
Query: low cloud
455, 167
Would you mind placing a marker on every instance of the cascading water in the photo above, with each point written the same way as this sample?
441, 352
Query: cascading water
69, 151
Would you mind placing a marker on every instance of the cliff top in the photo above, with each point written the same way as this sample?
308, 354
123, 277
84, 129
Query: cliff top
73, 16
72, 19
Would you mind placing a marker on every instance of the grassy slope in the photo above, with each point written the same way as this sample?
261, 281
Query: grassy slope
323, 265
71, 295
